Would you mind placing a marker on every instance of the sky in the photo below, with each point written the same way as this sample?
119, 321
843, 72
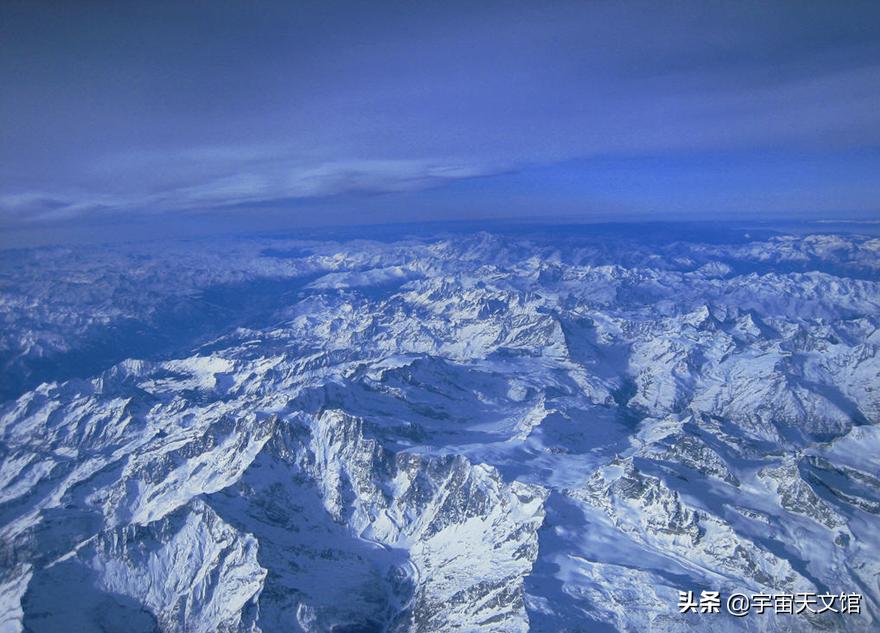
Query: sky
289, 113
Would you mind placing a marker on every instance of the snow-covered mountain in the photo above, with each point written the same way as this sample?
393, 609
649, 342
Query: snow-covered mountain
549, 431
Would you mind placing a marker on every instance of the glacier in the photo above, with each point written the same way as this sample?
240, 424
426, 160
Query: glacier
548, 429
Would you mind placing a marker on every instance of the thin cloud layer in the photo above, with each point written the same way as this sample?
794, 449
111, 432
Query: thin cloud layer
275, 182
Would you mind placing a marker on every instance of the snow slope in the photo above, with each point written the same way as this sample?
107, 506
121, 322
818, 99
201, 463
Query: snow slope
549, 432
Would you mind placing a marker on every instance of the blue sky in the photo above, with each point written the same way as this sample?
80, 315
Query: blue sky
313, 112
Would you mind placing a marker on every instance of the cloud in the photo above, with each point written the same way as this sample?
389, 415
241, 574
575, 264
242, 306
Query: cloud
229, 186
